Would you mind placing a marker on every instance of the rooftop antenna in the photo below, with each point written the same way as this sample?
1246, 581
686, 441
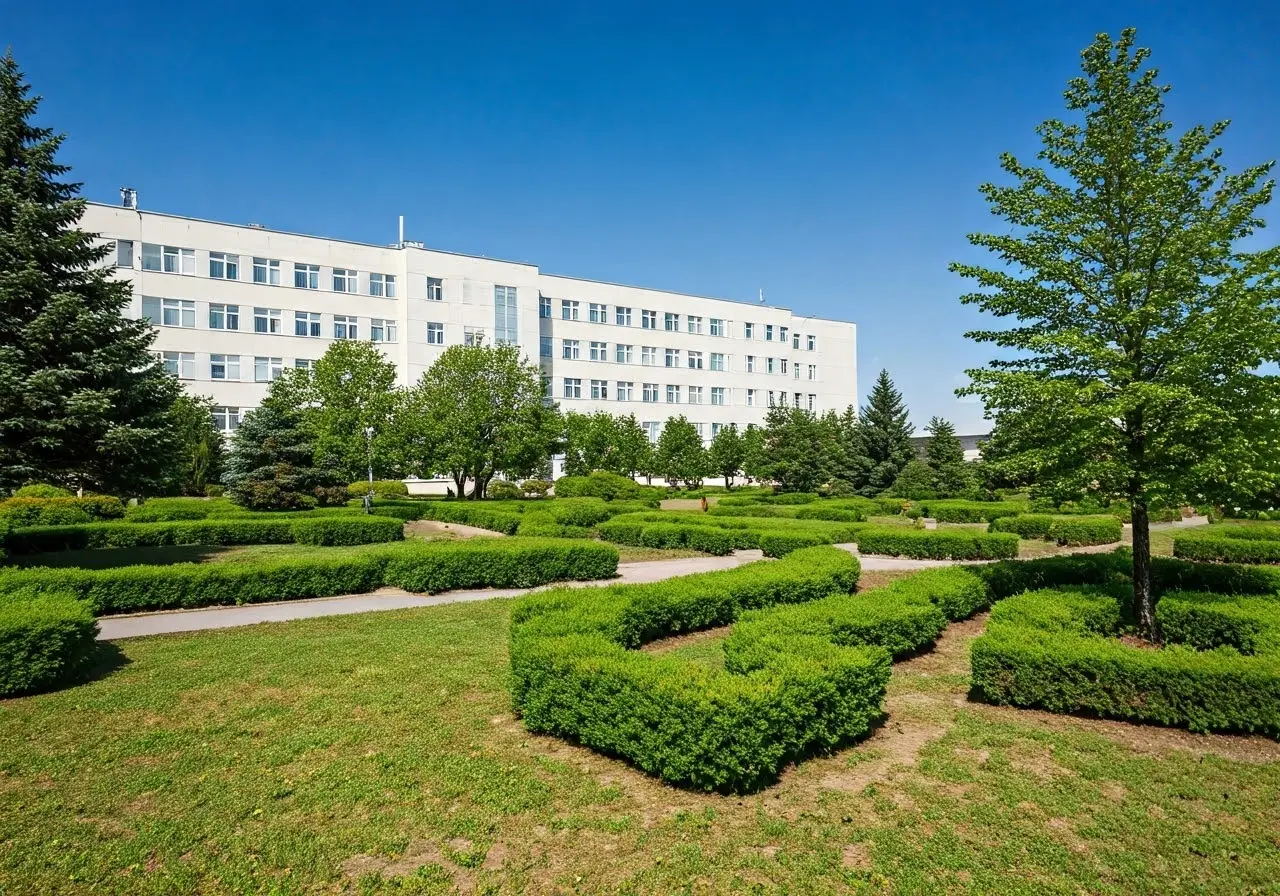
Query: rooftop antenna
128, 197
402, 231
762, 297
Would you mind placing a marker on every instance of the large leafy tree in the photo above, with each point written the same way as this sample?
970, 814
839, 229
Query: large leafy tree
886, 435
794, 449
200, 447
725, 454
1141, 324
635, 451
952, 475
591, 443
681, 455
755, 462
478, 411
83, 402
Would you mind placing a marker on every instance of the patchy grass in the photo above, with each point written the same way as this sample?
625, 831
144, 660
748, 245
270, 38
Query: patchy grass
637, 554
377, 754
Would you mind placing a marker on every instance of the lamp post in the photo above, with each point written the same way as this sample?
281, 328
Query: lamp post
368, 449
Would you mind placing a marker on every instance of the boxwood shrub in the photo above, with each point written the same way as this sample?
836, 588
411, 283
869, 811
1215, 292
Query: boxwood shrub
936, 544
471, 513
1024, 525
59, 511
46, 639
416, 566
337, 530
1217, 548
1085, 530
952, 511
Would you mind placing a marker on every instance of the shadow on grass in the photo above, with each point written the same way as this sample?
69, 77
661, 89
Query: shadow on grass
106, 658
111, 558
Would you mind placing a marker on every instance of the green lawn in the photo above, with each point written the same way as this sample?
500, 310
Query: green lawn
377, 754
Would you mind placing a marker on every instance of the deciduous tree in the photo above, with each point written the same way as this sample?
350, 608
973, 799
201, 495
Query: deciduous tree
725, 454
681, 455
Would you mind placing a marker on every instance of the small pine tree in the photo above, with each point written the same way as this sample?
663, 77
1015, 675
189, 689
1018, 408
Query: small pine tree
272, 466
945, 456
83, 401
886, 434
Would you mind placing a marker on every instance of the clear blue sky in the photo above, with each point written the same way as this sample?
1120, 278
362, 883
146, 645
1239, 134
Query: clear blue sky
829, 156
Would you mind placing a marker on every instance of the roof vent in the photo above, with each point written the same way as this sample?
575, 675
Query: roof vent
128, 197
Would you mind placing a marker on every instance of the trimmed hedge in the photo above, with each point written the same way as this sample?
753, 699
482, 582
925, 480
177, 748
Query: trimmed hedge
936, 544
1207, 548
46, 639
1024, 525
953, 511
834, 514
382, 488
780, 697
322, 530
1085, 530
607, 486
21, 512
425, 566
471, 513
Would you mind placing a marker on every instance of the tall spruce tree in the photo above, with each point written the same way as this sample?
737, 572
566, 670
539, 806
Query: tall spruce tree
83, 402
886, 435
1137, 367
945, 456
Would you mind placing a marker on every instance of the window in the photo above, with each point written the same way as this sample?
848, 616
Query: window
599, 390
673, 357
648, 355
226, 419
649, 320
306, 323
472, 336
383, 285
622, 317
223, 266
795, 340
783, 361
751, 398
796, 369
224, 317
435, 291
768, 332
172, 260
572, 387
124, 253
671, 322
716, 427
266, 320
782, 334
694, 324
768, 365
650, 392
695, 360
813, 343
569, 349
544, 346
599, 351
180, 364
304, 364
717, 327
813, 401
653, 429
224, 367
435, 334
795, 400
751, 363
622, 354
506, 321
306, 276
544, 306
344, 280
717, 361
597, 314
178, 313
770, 398
813, 371
624, 390
699, 429
717, 395
568, 310
546, 389
695, 395
382, 330
267, 369
673, 394
345, 327
266, 270
748, 331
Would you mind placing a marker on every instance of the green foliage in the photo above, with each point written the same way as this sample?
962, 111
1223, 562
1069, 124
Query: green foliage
936, 544
429, 566
323, 530
536, 488
953, 477
681, 458
915, 482
478, 411
1025, 525
793, 451
755, 461
272, 463
886, 435
609, 486
725, 454
846, 466
502, 490
382, 488
1220, 548
1141, 325
970, 511
84, 401
1085, 530
478, 515
41, 490
200, 448
46, 639
21, 512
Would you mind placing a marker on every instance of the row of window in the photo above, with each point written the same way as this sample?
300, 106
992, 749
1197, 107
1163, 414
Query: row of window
229, 368
598, 390
226, 266
571, 350
571, 309
182, 313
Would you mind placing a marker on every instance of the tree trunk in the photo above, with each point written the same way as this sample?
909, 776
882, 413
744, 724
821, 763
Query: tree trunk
460, 483
1143, 604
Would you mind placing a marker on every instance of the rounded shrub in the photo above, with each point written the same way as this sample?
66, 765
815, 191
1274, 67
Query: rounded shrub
45, 640
41, 490
382, 488
535, 488
502, 490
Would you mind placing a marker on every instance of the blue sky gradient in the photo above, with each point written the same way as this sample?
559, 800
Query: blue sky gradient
827, 155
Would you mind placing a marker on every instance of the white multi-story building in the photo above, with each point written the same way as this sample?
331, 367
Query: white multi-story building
234, 305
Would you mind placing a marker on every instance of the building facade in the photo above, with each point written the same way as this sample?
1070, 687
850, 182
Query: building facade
234, 305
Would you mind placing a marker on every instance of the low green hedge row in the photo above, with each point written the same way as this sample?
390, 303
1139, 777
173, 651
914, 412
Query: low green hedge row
708, 539
46, 639
415, 566
1216, 548
339, 530
720, 508
833, 514
472, 513
1065, 530
1245, 531
953, 511
22, 512
1057, 650
936, 544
